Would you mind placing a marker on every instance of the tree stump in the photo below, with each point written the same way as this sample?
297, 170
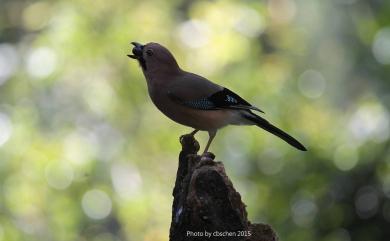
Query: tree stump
206, 206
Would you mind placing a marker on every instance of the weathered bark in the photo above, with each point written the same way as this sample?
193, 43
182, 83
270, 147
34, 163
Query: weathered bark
206, 206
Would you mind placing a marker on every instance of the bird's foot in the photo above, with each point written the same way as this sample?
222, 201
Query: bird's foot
189, 143
206, 159
208, 155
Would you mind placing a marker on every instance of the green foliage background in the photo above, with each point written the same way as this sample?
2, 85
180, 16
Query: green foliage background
84, 154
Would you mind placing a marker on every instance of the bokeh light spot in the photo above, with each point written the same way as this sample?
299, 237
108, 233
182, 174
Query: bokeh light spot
370, 121
194, 33
96, 204
381, 46
5, 128
312, 84
346, 157
8, 62
99, 96
79, 148
269, 167
126, 179
304, 211
250, 23
41, 62
59, 175
366, 202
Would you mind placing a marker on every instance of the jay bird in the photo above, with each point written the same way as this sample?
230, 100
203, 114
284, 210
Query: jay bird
193, 100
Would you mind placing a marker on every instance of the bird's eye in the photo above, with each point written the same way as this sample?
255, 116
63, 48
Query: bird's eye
149, 52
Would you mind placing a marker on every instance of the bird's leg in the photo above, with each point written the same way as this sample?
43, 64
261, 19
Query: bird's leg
211, 137
194, 132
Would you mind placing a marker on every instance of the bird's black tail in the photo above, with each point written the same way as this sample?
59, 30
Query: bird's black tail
264, 124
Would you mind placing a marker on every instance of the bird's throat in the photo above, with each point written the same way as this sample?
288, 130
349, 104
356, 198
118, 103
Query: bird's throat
142, 63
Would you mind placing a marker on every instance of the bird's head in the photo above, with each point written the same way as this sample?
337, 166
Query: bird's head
154, 57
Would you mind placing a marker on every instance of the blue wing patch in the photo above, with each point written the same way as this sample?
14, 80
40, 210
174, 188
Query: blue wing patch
203, 104
224, 99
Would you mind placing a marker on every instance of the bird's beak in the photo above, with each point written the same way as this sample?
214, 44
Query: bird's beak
137, 51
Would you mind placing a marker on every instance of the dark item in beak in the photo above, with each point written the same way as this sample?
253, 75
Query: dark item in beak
137, 50
138, 54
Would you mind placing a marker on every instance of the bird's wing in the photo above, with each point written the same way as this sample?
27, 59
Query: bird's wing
199, 93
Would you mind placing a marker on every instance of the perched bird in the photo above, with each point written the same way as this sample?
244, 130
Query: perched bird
193, 100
